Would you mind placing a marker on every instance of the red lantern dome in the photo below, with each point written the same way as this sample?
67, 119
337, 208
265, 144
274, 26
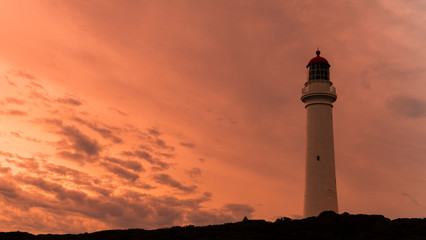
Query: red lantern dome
318, 59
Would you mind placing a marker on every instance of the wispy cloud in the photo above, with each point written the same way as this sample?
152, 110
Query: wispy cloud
133, 165
78, 157
23, 74
168, 180
188, 145
157, 163
118, 111
106, 132
120, 171
154, 131
74, 139
162, 144
15, 101
14, 112
407, 106
194, 172
18, 135
70, 101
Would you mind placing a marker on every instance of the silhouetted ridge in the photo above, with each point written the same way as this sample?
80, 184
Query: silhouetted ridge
328, 225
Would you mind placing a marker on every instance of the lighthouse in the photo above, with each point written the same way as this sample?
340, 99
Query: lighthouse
320, 179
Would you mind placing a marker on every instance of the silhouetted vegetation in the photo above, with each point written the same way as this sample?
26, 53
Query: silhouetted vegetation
328, 225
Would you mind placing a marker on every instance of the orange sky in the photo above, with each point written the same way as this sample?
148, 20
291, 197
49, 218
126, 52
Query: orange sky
150, 114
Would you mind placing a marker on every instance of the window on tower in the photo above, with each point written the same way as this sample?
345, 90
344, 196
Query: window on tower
318, 71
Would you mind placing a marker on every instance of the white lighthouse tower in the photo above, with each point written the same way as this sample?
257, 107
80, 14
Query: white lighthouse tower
320, 180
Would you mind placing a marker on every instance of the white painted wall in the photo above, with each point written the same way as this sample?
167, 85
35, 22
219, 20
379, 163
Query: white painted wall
320, 178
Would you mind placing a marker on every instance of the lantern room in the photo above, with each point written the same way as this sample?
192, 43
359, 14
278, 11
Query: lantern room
318, 68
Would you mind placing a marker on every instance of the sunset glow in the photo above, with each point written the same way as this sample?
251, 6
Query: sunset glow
148, 114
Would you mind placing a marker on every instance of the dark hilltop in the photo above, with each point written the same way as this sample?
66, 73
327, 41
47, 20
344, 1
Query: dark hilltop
328, 225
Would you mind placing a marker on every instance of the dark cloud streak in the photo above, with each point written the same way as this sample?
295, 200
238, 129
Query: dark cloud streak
157, 163
168, 180
14, 112
133, 165
15, 101
188, 145
77, 141
70, 101
407, 106
104, 132
121, 172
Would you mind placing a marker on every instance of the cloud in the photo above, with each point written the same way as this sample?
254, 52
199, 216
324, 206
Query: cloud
41, 96
82, 179
152, 138
118, 111
167, 155
168, 180
188, 145
15, 101
64, 171
4, 169
35, 220
240, 210
153, 131
145, 147
139, 154
133, 165
8, 188
60, 192
157, 163
80, 141
18, 135
78, 157
104, 132
407, 106
125, 209
14, 112
143, 155
76, 140
29, 163
7, 154
161, 144
412, 199
194, 172
70, 101
120, 172
203, 217
143, 185
23, 74
228, 213
37, 85
12, 83
296, 216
